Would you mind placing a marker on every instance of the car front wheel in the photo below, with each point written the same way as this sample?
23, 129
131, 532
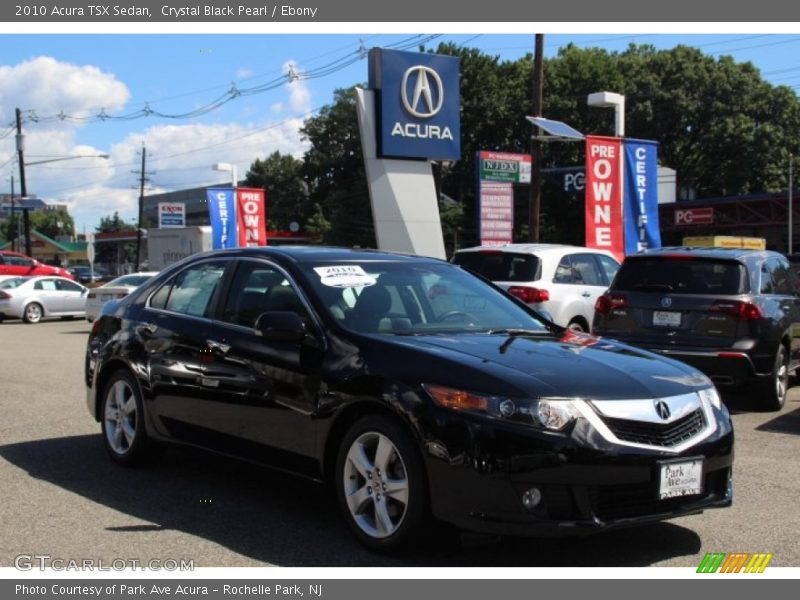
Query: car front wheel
33, 313
380, 484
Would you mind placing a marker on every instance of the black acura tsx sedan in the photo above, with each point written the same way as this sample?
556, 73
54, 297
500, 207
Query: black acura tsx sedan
416, 389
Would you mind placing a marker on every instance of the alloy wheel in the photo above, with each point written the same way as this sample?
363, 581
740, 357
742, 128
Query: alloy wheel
376, 485
120, 417
33, 313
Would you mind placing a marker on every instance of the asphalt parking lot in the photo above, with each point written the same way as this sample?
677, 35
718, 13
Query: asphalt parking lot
63, 497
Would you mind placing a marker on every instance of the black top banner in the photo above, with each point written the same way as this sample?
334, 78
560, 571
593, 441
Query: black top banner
441, 11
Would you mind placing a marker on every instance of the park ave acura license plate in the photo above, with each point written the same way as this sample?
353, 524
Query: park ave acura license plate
684, 478
666, 318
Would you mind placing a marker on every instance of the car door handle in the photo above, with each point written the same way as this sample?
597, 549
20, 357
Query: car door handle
220, 347
586, 294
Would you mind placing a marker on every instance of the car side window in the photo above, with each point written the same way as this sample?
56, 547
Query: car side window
767, 286
20, 261
67, 286
193, 289
47, 285
609, 267
257, 288
585, 270
781, 277
564, 271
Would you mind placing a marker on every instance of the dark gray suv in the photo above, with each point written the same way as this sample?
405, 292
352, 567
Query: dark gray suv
734, 314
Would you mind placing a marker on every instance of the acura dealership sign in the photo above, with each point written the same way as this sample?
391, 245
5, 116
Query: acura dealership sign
418, 104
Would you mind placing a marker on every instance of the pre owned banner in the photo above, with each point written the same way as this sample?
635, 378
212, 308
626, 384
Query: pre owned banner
221, 214
251, 214
604, 194
641, 196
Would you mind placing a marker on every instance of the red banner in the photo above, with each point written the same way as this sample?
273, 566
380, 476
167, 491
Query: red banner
604, 195
251, 217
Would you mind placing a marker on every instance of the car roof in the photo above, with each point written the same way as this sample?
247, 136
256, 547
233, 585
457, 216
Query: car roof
705, 252
532, 248
316, 254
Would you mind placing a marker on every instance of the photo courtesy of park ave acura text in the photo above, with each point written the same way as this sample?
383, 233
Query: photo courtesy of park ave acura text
398, 300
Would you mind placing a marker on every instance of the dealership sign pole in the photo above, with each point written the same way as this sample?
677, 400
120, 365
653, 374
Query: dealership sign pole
409, 116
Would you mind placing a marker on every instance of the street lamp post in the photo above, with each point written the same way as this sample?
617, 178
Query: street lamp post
608, 100
228, 167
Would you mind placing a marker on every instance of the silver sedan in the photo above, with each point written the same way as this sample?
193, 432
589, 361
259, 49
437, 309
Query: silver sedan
35, 298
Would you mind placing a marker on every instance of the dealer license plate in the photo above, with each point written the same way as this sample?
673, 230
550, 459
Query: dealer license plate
667, 318
681, 479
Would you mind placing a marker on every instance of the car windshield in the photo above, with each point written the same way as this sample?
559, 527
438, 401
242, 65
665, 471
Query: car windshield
129, 280
8, 284
680, 275
495, 265
405, 298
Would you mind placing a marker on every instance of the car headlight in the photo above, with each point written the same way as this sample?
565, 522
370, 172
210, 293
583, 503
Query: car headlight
711, 396
554, 414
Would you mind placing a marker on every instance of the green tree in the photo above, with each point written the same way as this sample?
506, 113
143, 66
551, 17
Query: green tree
281, 177
334, 170
47, 222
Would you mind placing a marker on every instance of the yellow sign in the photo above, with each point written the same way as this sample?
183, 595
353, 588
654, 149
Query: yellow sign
726, 241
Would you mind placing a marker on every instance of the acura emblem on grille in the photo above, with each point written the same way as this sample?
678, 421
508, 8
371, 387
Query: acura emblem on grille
666, 302
662, 409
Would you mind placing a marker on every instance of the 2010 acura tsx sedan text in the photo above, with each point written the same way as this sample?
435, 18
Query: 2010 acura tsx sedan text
413, 387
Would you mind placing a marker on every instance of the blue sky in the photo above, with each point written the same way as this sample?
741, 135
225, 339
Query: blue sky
80, 75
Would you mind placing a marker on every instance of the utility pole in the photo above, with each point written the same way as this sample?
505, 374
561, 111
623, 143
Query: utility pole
536, 146
142, 180
791, 233
12, 223
22, 187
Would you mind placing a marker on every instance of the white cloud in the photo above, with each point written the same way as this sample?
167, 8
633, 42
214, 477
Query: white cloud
244, 73
277, 107
48, 86
299, 93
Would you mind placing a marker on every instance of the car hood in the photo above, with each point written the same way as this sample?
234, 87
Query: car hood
570, 365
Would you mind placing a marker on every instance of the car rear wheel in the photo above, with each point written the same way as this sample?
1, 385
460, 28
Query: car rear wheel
380, 484
124, 435
33, 313
778, 385
577, 325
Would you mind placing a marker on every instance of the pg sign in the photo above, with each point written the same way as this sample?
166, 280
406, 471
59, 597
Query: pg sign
417, 104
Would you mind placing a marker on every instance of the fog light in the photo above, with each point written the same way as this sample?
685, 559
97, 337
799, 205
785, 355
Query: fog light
531, 498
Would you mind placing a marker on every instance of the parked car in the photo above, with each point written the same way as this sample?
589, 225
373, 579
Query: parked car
732, 313
86, 274
14, 263
35, 298
113, 290
413, 387
563, 281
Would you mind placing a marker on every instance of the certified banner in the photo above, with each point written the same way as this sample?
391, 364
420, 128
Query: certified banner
251, 214
221, 214
604, 194
641, 196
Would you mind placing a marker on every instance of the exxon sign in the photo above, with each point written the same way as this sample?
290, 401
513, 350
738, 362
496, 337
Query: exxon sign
417, 104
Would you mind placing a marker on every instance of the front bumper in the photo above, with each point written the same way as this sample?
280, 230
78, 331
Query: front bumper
478, 477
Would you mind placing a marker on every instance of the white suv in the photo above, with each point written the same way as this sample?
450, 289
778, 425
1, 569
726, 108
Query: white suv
564, 281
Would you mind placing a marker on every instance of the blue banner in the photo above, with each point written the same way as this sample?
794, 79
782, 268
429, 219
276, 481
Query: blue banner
640, 204
222, 216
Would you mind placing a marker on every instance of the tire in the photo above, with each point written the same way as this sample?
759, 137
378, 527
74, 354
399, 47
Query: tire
577, 325
384, 500
776, 389
122, 422
33, 313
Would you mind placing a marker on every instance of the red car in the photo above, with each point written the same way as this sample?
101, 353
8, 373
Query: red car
14, 263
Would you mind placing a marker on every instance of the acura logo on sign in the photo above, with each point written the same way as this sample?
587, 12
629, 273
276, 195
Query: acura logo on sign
423, 93
662, 409
666, 302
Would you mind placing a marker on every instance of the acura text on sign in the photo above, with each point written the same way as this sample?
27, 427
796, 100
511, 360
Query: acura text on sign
604, 194
417, 104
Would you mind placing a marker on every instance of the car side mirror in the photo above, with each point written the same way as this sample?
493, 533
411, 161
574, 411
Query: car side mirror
281, 326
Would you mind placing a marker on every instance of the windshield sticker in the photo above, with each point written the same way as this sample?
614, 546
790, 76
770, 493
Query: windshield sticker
344, 276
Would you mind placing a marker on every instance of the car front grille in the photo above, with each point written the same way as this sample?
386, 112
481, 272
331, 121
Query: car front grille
657, 434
